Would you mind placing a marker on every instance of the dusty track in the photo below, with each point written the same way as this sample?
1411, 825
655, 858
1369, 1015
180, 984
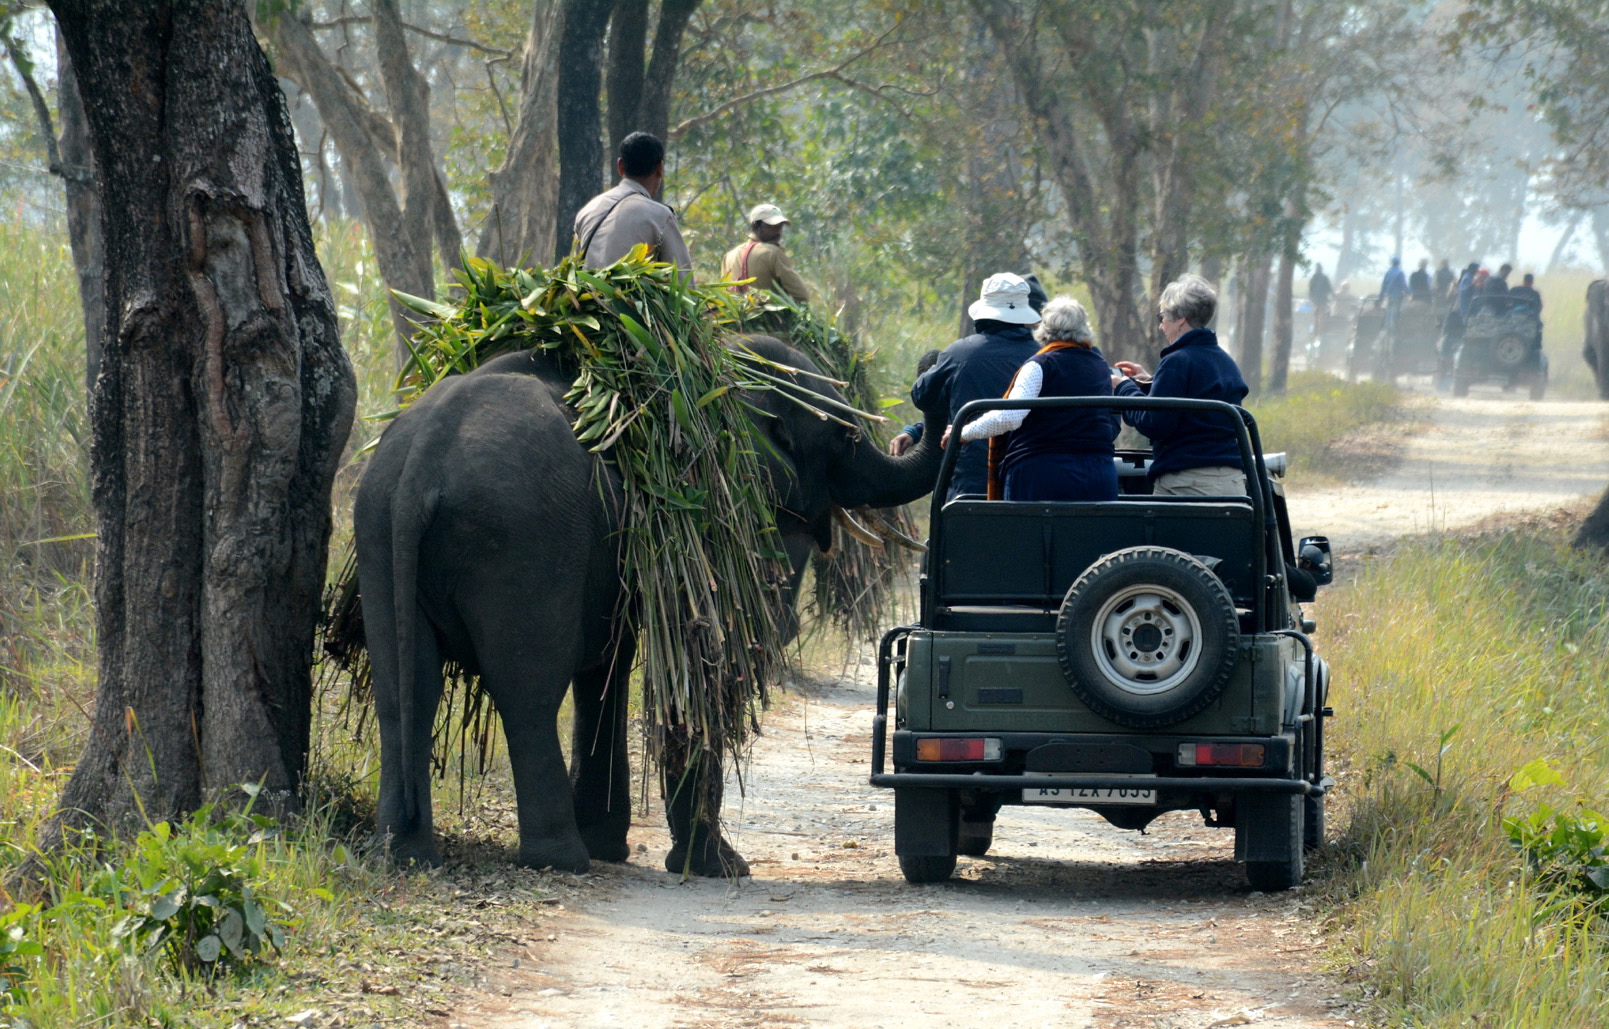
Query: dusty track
1068, 922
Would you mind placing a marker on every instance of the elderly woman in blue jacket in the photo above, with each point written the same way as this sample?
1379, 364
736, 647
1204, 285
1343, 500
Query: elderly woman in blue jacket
1191, 454
1053, 453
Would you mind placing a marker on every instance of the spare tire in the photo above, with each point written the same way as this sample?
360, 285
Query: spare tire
1509, 352
1147, 637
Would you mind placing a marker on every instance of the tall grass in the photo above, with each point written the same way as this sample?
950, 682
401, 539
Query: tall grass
1456, 663
1316, 411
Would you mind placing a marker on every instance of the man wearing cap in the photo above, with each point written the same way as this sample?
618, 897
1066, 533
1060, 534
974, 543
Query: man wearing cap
977, 367
618, 219
762, 258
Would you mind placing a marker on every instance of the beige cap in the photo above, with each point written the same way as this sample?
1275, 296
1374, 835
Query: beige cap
771, 214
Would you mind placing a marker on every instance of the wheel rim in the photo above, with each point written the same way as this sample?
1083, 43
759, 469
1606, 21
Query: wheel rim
1509, 351
1146, 639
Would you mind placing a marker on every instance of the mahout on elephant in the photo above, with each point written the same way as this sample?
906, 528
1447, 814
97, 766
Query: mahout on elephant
487, 536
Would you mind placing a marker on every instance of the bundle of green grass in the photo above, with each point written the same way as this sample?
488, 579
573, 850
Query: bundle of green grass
660, 369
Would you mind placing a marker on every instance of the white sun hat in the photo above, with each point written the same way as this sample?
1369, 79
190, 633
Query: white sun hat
1004, 298
771, 214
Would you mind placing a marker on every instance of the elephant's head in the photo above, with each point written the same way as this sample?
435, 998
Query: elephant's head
824, 467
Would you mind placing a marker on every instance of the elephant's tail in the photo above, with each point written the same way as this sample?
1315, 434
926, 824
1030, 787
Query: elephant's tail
408, 521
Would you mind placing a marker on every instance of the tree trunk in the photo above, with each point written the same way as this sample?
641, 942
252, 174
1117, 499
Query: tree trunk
1279, 366
580, 150
521, 226
220, 413
654, 114
1254, 305
83, 212
365, 140
628, 43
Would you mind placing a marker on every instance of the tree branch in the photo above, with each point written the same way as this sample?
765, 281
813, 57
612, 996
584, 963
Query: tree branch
442, 37
41, 109
835, 72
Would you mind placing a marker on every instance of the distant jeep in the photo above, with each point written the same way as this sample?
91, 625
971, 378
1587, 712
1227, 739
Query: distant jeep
1133, 657
1502, 342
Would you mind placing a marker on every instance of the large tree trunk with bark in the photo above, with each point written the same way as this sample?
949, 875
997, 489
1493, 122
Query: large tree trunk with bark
580, 145
221, 410
521, 225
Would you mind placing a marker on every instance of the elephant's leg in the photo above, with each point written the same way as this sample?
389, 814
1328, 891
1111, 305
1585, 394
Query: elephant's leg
600, 775
691, 786
408, 830
527, 693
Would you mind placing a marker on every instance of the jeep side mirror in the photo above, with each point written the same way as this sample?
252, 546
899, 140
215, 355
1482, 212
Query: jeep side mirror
1313, 557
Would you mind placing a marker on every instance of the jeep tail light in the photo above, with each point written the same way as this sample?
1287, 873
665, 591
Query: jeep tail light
1235, 755
950, 748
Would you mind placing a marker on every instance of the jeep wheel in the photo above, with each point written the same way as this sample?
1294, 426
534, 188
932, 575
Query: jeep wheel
927, 868
1147, 637
1509, 352
1274, 821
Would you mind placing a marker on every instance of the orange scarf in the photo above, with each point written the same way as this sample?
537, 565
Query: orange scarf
998, 444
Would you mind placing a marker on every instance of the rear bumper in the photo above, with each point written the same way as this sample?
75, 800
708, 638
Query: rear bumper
1193, 784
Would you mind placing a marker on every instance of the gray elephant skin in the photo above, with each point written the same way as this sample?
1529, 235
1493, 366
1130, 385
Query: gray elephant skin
484, 538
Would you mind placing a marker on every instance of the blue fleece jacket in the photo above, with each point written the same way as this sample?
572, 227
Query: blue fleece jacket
1194, 366
978, 367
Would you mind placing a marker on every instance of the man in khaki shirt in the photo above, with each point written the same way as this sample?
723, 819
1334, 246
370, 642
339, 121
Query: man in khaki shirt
618, 219
762, 257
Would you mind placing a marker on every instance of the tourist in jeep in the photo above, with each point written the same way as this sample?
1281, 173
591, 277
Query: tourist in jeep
1054, 453
1191, 454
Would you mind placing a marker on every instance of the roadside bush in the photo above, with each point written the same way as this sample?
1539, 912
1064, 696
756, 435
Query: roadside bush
1312, 419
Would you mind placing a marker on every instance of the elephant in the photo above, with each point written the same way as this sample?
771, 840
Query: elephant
486, 536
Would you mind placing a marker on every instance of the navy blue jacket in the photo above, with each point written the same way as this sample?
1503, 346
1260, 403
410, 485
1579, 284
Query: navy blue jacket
1074, 372
1195, 366
978, 367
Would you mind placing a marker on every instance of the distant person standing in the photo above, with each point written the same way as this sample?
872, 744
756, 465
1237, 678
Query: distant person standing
762, 258
618, 219
1497, 285
1319, 292
1527, 289
1466, 288
1419, 282
1444, 281
1393, 288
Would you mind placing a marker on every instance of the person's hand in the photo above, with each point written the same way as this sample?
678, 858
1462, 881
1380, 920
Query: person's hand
944, 440
1134, 371
899, 444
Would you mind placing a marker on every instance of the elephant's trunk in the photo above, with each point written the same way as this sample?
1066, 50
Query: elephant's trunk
876, 479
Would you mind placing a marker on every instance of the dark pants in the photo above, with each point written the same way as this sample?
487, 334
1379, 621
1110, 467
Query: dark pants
1062, 477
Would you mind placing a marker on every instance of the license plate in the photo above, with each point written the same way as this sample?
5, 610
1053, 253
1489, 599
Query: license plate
1072, 794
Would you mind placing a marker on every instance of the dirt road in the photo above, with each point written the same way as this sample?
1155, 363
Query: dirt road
1068, 922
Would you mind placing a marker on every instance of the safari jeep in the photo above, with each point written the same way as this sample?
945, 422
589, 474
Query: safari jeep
1132, 657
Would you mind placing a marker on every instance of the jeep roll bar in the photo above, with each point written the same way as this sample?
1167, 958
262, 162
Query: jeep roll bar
1251, 457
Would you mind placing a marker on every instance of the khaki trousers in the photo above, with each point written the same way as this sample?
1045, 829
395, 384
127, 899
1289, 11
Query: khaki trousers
1217, 481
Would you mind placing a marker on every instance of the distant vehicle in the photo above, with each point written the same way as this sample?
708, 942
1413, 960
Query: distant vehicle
1595, 348
1326, 349
1502, 341
1414, 349
1132, 656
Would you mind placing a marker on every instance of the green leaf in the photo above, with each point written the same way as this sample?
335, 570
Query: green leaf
1534, 773
233, 932
424, 306
209, 948
1426, 776
166, 906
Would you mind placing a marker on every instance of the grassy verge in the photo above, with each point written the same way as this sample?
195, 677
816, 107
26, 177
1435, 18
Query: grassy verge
1458, 662
1328, 427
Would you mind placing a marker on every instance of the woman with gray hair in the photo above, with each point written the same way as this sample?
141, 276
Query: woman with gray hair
1054, 453
1191, 454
